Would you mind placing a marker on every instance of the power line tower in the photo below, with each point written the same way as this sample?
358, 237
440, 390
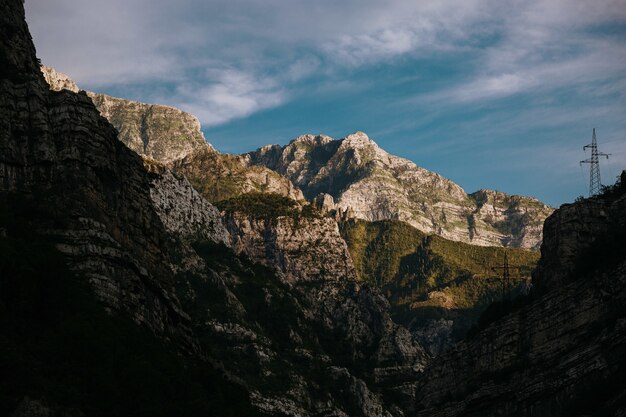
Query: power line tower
594, 171
506, 275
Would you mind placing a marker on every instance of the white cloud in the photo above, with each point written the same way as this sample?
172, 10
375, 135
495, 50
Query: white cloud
229, 95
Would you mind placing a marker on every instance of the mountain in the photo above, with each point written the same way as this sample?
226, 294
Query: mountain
431, 293
374, 185
162, 133
170, 136
123, 291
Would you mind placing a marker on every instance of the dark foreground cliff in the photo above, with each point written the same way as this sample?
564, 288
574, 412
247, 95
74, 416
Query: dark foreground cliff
120, 295
560, 351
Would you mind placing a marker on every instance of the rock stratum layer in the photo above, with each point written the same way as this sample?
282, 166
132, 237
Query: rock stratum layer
561, 351
373, 185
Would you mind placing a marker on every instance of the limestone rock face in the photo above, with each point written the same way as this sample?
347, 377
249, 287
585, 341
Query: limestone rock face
374, 185
182, 210
301, 249
563, 351
57, 80
162, 133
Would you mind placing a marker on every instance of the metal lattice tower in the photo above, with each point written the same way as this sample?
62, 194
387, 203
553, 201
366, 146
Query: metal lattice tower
506, 275
595, 184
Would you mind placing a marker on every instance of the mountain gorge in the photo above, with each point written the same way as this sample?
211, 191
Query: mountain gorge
144, 273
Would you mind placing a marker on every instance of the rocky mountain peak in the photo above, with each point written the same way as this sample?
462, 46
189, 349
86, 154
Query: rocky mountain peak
309, 139
374, 185
163, 133
358, 139
57, 80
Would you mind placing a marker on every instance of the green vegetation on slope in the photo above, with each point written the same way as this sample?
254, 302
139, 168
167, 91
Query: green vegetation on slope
267, 206
427, 277
58, 346
379, 248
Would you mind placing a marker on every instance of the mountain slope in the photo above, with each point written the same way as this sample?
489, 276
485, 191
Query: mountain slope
162, 133
437, 288
561, 351
114, 241
374, 185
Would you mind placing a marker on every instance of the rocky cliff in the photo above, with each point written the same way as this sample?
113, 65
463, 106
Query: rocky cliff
374, 185
560, 351
171, 136
59, 158
162, 133
301, 248
179, 324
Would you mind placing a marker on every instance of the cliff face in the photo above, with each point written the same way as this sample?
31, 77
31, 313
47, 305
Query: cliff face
59, 158
162, 133
192, 320
304, 348
183, 212
561, 351
302, 249
374, 185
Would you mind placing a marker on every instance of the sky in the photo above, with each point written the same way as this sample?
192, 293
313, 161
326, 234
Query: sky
498, 94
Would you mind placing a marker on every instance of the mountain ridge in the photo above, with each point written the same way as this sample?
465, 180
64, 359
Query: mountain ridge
364, 180
375, 185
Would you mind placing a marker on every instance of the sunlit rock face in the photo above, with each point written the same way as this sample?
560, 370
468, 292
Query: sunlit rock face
162, 133
301, 249
374, 185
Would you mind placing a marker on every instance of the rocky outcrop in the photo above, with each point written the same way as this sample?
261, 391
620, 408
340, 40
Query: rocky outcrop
182, 210
375, 185
560, 351
58, 81
162, 133
220, 177
301, 248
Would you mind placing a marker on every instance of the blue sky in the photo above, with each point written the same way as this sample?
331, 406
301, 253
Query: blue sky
491, 94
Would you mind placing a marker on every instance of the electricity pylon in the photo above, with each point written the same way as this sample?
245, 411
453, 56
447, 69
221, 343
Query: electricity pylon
506, 276
595, 185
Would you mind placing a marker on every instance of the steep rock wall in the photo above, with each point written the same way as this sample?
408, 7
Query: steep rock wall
301, 249
562, 351
61, 163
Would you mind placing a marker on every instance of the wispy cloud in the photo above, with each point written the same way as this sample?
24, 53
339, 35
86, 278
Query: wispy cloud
229, 94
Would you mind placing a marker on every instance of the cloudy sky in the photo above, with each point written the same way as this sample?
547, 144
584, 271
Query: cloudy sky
497, 94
